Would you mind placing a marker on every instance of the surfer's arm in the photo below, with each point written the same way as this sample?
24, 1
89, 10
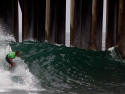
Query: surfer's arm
13, 64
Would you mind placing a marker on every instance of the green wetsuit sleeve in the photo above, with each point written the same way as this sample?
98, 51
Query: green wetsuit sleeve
11, 55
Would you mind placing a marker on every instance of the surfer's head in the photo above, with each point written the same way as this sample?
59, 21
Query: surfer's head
18, 53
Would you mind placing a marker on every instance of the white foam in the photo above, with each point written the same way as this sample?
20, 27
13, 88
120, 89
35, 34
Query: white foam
5, 36
2, 90
112, 48
19, 78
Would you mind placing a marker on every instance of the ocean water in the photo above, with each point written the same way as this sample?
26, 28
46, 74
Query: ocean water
57, 69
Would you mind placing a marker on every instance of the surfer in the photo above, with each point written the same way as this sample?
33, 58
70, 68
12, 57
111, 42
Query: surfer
11, 56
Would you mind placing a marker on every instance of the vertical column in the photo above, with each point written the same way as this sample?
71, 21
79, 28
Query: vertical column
86, 24
72, 22
52, 33
121, 28
75, 24
31, 18
28, 19
15, 20
97, 14
48, 17
25, 21
60, 21
41, 8
35, 19
112, 23
50, 20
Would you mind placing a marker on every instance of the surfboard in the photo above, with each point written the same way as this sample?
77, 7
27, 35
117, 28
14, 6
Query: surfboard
8, 49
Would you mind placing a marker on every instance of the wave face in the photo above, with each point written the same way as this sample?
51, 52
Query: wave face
69, 70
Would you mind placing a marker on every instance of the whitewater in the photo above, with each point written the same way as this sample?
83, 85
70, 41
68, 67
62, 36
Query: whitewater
19, 80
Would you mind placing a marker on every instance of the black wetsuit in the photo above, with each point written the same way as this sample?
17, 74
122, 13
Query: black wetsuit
8, 60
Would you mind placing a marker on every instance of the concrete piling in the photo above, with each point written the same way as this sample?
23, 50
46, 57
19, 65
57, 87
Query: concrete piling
25, 21
72, 22
75, 23
121, 28
60, 21
97, 15
86, 24
40, 19
112, 23
48, 19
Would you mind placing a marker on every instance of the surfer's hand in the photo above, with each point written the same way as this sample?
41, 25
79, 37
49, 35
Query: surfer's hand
21, 56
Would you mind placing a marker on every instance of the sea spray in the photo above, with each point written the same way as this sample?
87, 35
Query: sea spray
18, 78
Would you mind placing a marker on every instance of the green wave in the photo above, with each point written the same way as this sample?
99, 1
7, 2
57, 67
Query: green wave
70, 68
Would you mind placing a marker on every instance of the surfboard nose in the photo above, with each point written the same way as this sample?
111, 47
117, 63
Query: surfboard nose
8, 49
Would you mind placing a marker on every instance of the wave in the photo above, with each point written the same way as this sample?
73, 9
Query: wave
71, 69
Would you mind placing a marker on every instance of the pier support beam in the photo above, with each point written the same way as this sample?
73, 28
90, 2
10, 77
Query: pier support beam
28, 17
72, 22
51, 20
60, 21
121, 28
112, 23
28, 20
86, 24
40, 8
97, 15
75, 23
48, 20
25, 20
50, 24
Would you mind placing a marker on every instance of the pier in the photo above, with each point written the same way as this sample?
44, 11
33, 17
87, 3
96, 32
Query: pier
46, 20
